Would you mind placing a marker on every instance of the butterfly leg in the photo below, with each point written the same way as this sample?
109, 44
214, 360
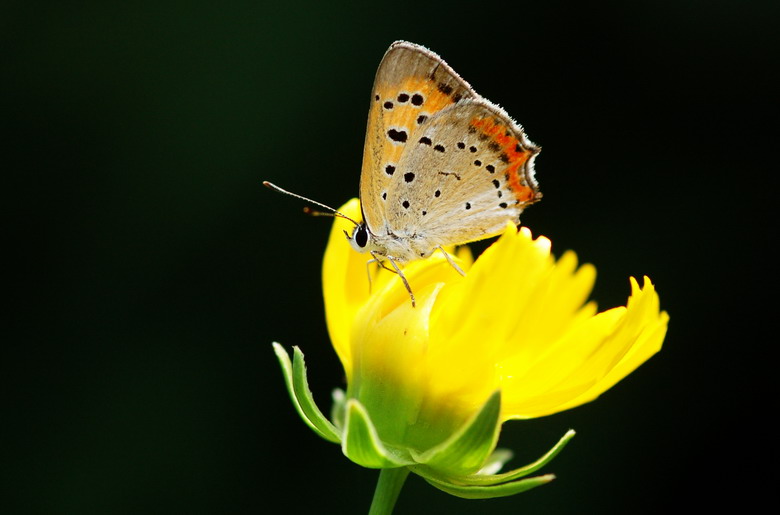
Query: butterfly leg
378, 260
395, 269
403, 279
451, 261
368, 271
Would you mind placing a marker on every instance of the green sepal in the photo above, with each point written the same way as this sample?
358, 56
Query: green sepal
338, 409
361, 443
469, 447
497, 479
495, 462
298, 386
523, 471
489, 492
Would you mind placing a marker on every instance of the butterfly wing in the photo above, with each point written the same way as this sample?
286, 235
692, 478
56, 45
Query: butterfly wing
411, 86
441, 164
463, 174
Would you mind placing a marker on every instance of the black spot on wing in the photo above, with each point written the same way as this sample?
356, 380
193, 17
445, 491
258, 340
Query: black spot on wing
397, 136
444, 88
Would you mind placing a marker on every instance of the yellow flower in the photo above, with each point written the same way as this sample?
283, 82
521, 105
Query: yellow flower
518, 323
428, 387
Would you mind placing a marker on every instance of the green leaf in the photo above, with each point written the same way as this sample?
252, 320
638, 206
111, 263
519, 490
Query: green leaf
468, 448
362, 444
298, 387
489, 492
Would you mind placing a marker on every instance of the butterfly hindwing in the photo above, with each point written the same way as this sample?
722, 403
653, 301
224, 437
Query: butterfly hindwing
465, 173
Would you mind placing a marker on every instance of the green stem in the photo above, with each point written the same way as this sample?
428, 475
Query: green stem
387, 489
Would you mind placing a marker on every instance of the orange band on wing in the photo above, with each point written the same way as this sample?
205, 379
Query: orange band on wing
434, 99
512, 153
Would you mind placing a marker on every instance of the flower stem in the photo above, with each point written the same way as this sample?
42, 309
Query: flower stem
387, 489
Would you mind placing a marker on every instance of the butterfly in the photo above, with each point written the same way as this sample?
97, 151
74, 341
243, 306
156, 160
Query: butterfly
442, 165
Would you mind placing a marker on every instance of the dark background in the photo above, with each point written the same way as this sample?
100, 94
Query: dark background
149, 270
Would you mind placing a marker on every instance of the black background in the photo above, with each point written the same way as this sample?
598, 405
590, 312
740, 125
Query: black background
149, 270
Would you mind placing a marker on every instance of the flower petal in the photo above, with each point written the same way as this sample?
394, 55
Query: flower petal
590, 358
345, 285
638, 337
388, 378
514, 302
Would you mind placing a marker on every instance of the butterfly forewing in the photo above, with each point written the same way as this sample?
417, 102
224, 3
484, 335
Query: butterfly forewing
412, 85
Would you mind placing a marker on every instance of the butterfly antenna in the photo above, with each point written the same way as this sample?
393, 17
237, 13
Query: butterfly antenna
315, 212
309, 210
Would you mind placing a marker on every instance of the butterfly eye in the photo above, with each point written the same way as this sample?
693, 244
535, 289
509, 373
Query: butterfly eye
360, 236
